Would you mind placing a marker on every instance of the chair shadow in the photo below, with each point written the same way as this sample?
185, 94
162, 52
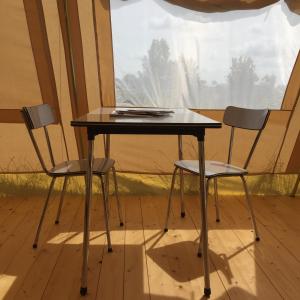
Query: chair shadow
180, 261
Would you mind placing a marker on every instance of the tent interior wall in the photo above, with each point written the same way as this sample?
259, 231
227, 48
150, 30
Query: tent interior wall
61, 53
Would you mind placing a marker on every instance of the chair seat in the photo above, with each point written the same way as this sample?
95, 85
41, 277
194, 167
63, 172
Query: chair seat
212, 168
79, 167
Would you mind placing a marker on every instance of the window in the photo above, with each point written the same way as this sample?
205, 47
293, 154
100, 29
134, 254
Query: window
169, 56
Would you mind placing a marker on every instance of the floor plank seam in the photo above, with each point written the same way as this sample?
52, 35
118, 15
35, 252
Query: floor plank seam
20, 249
271, 233
144, 247
211, 261
125, 249
101, 256
257, 263
61, 250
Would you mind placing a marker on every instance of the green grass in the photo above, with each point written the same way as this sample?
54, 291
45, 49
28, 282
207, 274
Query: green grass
141, 184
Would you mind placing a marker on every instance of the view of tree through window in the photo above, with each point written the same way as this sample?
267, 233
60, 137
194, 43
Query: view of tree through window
169, 56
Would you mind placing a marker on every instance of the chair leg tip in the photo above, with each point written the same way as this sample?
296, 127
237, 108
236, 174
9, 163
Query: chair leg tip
121, 224
110, 249
199, 254
166, 230
83, 291
34, 246
257, 238
182, 214
218, 220
207, 292
56, 222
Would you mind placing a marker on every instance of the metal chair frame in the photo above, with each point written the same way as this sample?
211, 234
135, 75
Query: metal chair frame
41, 116
293, 194
235, 117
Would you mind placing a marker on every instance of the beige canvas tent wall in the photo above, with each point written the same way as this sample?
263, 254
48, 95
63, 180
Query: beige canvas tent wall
61, 53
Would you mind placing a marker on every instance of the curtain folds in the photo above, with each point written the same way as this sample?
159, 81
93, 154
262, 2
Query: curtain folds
226, 5
294, 5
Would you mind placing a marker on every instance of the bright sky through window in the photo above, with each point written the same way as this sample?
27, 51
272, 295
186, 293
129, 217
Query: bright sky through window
169, 56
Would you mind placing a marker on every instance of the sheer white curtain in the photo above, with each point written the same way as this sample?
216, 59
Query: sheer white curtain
168, 56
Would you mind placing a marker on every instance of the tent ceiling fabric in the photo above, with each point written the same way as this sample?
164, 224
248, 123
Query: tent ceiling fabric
226, 5
40, 63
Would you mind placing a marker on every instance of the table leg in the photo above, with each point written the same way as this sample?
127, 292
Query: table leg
107, 155
86, 232
180, 156
203, 204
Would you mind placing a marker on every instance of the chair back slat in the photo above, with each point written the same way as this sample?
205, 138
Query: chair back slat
28, 123
40, 116
245, 118
35, 117
252, 119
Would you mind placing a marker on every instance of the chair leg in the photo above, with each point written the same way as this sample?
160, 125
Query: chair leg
35, 243
216, 199
61, 200
117, 196
106, 186
182, 206
296, 186
170, 199
105, 203
250, 208
201, 236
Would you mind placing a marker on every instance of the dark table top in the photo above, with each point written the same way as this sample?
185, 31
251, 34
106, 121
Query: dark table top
181, 121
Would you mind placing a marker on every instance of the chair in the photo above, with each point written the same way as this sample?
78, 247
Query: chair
41, 116
250, 119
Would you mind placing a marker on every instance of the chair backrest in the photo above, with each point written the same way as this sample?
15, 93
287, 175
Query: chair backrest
245, 118
40, 116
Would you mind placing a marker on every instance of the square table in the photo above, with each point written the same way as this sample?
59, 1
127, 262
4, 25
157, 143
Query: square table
181, 122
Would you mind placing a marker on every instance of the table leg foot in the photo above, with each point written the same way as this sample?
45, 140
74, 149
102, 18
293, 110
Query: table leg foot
34, 246
121, 224
182, 214
199, 254
166, 230
83, 291
109, 250
207, 292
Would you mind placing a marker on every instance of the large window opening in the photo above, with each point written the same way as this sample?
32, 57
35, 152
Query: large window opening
169, 56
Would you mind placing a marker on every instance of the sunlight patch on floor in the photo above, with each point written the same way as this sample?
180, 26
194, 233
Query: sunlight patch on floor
6, 282
63, 238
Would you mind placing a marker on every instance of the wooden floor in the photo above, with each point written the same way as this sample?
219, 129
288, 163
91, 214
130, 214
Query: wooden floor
146, 264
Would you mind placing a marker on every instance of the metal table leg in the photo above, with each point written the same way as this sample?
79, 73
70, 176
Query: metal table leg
86, 233
180, 156
107, 156
203, 204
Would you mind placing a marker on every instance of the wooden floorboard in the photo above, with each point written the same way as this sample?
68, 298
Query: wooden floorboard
136, 284
147, 263
282, 269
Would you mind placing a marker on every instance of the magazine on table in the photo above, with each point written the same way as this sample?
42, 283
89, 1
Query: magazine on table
140, 112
